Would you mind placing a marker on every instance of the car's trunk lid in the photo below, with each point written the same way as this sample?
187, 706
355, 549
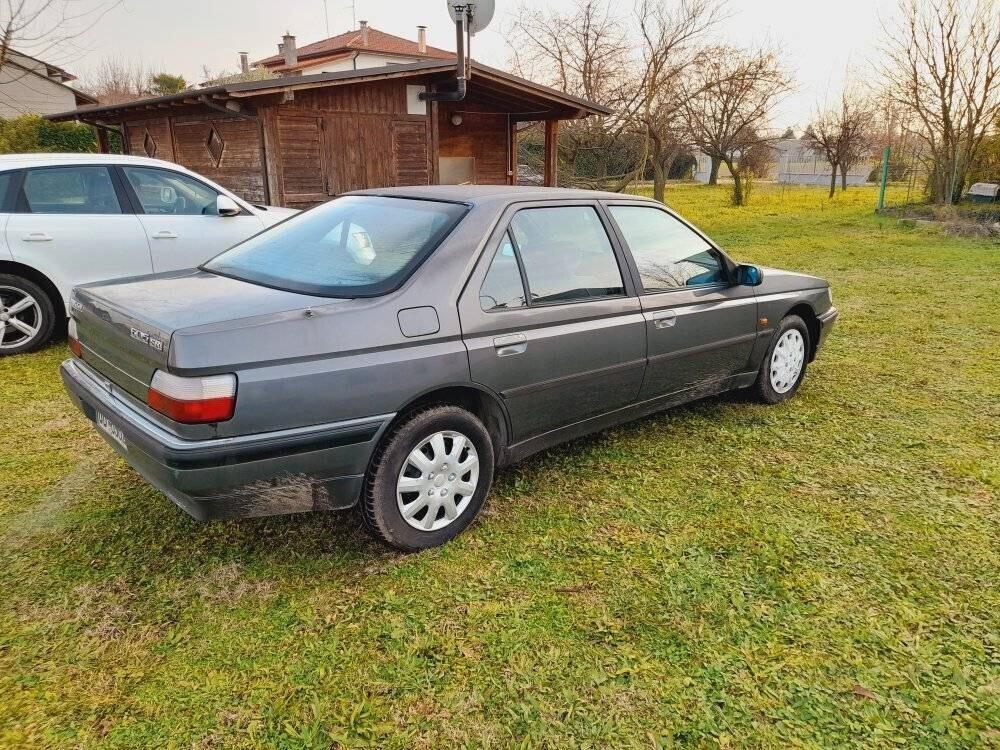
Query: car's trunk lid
126, 327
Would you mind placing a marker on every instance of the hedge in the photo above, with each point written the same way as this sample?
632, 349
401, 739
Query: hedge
32, 134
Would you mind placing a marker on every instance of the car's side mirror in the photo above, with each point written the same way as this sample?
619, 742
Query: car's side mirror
226, 206
749, 276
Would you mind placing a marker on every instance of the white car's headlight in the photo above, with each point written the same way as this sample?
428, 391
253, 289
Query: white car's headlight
829, 295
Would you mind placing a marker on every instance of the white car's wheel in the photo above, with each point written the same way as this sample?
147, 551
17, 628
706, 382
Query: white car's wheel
27, 317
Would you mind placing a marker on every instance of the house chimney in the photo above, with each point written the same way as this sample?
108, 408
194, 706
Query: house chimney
422, 40
364, 33
287, 48
244, 62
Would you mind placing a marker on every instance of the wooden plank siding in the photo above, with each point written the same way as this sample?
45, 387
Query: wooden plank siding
239, 168
482, 136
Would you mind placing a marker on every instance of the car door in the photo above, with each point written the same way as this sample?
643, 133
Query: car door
700, 327
73, 223
179, 215
549, 319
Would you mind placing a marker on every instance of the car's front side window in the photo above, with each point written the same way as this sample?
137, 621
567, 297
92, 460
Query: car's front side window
566, 253
70, 190
668, 254
161, 191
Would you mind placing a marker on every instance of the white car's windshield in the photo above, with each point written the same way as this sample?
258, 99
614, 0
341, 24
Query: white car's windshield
351, 246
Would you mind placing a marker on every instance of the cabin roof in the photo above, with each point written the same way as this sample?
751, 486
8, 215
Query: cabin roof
506, 90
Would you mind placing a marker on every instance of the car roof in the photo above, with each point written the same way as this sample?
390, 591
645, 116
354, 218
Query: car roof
484, 194
18, 161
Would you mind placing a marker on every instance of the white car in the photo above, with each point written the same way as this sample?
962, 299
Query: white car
69, 219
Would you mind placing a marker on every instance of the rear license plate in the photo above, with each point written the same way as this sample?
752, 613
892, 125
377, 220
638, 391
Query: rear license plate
114, 432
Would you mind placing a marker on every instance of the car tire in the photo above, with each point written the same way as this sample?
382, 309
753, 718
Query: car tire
31, 308
414, 502
785, 363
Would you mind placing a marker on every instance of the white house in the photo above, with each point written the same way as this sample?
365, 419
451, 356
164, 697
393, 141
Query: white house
30, 86
365, 47
794, 162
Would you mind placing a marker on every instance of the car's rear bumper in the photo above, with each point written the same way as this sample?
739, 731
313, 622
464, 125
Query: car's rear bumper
826, 323
320, 467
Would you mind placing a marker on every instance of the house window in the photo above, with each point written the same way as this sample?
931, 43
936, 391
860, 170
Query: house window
215, 145
149, 145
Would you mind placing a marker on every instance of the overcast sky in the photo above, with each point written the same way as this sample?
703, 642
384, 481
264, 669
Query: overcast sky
819, 42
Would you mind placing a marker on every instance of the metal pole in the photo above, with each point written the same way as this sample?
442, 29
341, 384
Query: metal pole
884, 179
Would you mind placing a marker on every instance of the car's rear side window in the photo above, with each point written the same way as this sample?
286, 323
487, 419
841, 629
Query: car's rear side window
502, 289
566, 253
6, 178
355, 246
70, 190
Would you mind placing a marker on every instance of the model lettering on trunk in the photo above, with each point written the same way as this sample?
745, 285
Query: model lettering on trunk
146, 339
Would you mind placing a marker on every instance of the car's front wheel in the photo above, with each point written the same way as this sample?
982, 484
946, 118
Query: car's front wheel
784, 366
428, 479
27, 316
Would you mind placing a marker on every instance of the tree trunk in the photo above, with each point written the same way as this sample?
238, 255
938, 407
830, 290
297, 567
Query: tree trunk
713, 176
739, 198
833, 180
659, 180
843, 177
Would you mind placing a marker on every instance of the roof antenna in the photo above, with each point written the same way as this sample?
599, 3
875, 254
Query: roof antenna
470, 18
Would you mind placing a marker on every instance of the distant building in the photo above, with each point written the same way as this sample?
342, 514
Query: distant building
30, 86
365, 47
794, 163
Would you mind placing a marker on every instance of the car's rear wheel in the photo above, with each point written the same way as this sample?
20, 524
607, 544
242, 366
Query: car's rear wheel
27, 316
428, 479
784, 366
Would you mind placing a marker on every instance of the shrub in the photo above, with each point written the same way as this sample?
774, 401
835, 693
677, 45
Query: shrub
31, 133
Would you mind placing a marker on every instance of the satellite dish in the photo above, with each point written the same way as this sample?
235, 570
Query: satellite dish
479, 13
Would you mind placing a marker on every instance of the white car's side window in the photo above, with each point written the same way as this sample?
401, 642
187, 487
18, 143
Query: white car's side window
70, 190
162, 191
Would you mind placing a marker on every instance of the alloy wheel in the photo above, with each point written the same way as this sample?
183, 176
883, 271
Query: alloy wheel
20, 317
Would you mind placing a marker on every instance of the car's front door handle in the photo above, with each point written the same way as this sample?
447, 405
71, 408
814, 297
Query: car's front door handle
516, 343
36, 237
166, 234
664, 319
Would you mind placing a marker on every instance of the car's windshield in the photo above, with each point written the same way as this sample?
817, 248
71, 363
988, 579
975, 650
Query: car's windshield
355, 246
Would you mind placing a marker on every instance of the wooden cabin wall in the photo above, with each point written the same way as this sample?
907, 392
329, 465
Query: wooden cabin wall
331, 141
184, 138
482, 135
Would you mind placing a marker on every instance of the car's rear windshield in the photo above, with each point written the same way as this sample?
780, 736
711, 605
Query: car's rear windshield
355, 246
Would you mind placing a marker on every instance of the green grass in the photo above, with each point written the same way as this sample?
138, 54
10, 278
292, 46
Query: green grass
819, 574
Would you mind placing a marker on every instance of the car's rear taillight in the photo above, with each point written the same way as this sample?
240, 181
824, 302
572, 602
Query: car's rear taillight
193, 400
73, 339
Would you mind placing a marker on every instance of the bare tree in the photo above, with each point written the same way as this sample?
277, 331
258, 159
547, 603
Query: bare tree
730, 97
583, 51
942, 63
670, 37
842, 135
118, 79
47, 28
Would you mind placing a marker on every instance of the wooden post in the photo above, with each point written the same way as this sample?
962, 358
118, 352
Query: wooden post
102, 140
551, 152
511, 150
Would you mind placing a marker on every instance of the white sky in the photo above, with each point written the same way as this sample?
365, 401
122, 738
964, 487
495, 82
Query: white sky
819, 40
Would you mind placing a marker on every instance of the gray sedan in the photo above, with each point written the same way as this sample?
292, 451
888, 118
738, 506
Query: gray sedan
390, 349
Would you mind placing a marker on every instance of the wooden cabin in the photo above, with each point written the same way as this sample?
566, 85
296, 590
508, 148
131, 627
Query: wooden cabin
296, 141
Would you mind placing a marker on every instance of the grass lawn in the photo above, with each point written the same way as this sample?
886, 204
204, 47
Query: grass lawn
819, 574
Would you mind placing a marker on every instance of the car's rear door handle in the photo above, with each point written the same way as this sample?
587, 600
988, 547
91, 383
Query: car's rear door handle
166, 234
515, 343
664, 319
36, 237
